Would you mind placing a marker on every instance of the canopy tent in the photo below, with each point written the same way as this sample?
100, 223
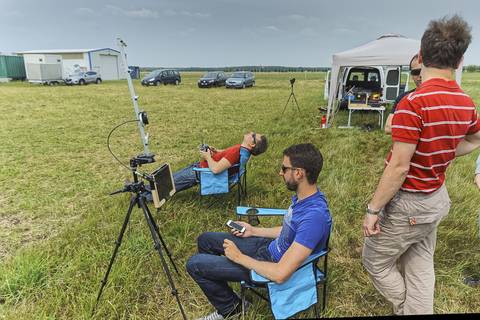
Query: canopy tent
387, 50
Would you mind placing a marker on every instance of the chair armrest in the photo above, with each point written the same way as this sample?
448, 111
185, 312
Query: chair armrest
209, 170
255, 277
314, 257
242, 211
202, 169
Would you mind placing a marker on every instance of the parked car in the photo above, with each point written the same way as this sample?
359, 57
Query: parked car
240, 79
164, 76
212, 79
82, 78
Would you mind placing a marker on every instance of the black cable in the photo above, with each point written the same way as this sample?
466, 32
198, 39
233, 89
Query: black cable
108, 142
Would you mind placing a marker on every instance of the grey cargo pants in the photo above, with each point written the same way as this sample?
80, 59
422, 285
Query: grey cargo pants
400, 259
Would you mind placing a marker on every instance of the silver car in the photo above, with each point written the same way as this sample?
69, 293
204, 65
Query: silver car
82, 78
240, 79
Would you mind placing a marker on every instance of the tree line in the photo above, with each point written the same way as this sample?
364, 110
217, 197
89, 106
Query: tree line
245, 68
471, 68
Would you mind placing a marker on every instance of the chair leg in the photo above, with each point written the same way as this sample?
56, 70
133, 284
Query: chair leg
242, 297
317, 316
324, 296
239, 194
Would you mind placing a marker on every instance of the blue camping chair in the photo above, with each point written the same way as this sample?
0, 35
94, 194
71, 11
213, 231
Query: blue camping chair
299, 292
211, 183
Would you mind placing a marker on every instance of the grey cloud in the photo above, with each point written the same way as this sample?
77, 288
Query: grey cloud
196, 14
141, 13
271, 28
187, 32
12, 14
86, 12
309, 32
344, 31
170, 12
295, 17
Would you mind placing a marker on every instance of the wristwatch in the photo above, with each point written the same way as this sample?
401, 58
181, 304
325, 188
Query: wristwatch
371, 211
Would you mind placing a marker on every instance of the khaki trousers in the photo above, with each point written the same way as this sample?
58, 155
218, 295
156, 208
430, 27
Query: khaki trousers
400, 259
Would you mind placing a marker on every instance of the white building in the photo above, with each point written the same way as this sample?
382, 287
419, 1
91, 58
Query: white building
105, 61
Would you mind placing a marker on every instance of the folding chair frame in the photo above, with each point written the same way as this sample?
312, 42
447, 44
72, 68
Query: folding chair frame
244, 286
240, 181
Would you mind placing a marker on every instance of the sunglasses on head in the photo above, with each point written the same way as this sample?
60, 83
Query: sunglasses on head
415, 72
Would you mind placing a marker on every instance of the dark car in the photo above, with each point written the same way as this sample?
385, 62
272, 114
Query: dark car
240, 79
164, 76
212, 79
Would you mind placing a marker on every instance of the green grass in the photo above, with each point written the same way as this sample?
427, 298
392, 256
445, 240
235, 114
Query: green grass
58, 224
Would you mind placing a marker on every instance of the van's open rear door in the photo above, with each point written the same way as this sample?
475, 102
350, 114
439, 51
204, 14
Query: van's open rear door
392, 84
326, 88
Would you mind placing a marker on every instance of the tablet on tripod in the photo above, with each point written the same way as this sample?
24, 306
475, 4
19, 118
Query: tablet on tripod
163, 186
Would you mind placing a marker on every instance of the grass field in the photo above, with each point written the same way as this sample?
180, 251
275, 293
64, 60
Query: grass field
58, 224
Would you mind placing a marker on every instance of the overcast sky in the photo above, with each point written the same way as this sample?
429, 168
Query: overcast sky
182, 33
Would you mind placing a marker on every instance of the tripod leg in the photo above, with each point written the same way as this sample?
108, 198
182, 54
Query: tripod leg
286, 104
133, 200
158, 247
161, 239
294, 98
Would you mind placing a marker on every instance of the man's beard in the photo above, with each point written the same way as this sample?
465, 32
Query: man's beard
292, 186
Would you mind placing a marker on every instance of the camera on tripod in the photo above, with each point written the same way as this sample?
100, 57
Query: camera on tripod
292, 81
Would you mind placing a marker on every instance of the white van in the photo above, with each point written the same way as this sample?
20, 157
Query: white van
372, 85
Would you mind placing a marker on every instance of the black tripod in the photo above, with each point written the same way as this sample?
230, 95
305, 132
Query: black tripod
292, 94
137, 189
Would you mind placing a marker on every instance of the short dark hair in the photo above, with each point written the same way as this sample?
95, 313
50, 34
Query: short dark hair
261, 145
413, 58
444, 42
306, 156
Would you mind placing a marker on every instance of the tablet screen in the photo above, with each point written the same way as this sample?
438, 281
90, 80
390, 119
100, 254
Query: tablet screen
164, 185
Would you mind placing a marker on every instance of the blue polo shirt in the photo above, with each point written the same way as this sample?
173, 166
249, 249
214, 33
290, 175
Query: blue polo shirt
307, 222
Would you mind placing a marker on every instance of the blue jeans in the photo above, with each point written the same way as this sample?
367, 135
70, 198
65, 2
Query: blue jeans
212, 271
185, 178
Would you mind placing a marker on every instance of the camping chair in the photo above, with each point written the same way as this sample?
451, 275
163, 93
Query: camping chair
211, 183
299, 292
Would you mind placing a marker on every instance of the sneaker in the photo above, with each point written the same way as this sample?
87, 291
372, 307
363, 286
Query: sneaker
472, 282
237, 311
212, 316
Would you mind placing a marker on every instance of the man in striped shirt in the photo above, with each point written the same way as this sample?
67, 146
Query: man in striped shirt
430, 127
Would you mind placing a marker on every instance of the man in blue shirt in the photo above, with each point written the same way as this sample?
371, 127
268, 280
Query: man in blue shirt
274, 253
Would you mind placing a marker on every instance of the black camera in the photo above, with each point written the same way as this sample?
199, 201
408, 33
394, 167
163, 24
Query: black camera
204, 147
292, 81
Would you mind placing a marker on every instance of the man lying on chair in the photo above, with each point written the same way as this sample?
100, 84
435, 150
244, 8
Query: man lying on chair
274, 253
219, 160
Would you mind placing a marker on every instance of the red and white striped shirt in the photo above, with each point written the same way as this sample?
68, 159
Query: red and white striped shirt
435, 117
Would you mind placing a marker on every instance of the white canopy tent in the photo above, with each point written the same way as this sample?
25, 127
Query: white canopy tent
387, 50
